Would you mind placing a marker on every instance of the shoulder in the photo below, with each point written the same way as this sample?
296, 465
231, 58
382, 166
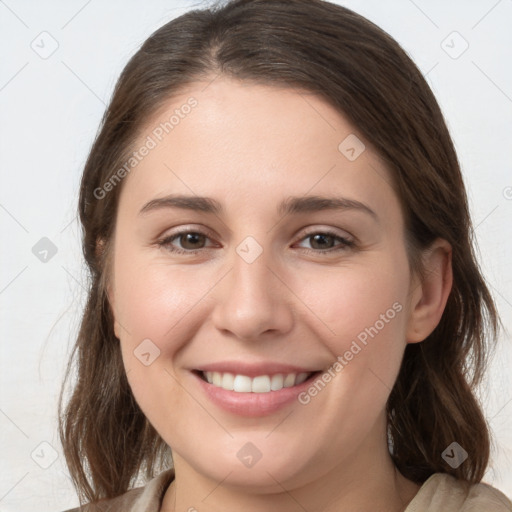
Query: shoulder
140, 499
444, 492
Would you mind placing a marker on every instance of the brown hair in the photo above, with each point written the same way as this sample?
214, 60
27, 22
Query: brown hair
358, 68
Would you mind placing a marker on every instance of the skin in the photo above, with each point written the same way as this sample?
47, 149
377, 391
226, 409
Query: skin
249, 147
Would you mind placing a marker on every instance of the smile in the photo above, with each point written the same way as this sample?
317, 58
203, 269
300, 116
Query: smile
252, 390
258, 384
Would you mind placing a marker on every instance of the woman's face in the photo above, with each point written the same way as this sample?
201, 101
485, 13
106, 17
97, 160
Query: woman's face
271, 286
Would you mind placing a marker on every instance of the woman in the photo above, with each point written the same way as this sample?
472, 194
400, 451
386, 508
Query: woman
283, 292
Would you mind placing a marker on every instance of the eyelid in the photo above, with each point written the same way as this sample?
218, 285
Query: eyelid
188, 228
317, 228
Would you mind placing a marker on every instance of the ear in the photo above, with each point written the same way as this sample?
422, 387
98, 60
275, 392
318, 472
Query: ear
111, 296
100, 247
429, 297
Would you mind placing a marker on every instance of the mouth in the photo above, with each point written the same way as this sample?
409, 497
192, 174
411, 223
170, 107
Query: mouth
249, 389
268, 383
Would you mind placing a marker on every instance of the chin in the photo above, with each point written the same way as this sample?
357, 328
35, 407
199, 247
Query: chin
258, 466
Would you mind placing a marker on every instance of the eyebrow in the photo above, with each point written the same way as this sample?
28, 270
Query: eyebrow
291, 205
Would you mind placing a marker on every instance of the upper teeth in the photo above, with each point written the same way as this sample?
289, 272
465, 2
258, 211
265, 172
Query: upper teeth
259, 384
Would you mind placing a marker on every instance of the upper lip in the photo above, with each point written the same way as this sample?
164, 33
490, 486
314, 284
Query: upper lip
253, 369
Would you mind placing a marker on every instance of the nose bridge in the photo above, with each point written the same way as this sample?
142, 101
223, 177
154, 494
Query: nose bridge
253, 299
252, 284
251, 270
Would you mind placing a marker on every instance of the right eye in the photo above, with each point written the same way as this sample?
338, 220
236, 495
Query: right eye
193, 239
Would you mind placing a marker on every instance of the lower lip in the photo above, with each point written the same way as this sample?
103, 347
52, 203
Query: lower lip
253, 404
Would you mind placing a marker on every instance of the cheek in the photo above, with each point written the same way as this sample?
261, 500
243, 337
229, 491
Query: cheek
363, 321
158, 305
155, 300
358, 303
363, 314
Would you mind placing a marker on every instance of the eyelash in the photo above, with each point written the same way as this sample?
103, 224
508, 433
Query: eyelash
345, 243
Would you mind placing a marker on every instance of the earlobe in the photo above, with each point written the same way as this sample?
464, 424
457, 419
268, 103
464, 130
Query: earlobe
429, 297
111, 301
100, 245
110, 296
116, 329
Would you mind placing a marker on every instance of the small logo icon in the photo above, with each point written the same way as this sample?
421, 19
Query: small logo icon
146, 352
44, 250
454, 45
455, 455
249, 249
249, 455
45, 45
351, 147
44, 455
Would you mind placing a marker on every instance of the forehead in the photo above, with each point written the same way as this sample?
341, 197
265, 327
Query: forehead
254, 144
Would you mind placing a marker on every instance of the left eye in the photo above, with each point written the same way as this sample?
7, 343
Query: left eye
193, 241
324, 239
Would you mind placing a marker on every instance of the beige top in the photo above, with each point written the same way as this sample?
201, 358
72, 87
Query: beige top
440, 493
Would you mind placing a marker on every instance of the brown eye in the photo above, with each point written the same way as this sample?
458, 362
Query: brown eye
322, 241
325, 242
192, 240
186, 242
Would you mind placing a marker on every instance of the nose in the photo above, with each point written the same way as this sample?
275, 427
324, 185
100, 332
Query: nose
254, 302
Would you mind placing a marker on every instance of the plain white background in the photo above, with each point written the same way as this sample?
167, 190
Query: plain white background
51, 106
